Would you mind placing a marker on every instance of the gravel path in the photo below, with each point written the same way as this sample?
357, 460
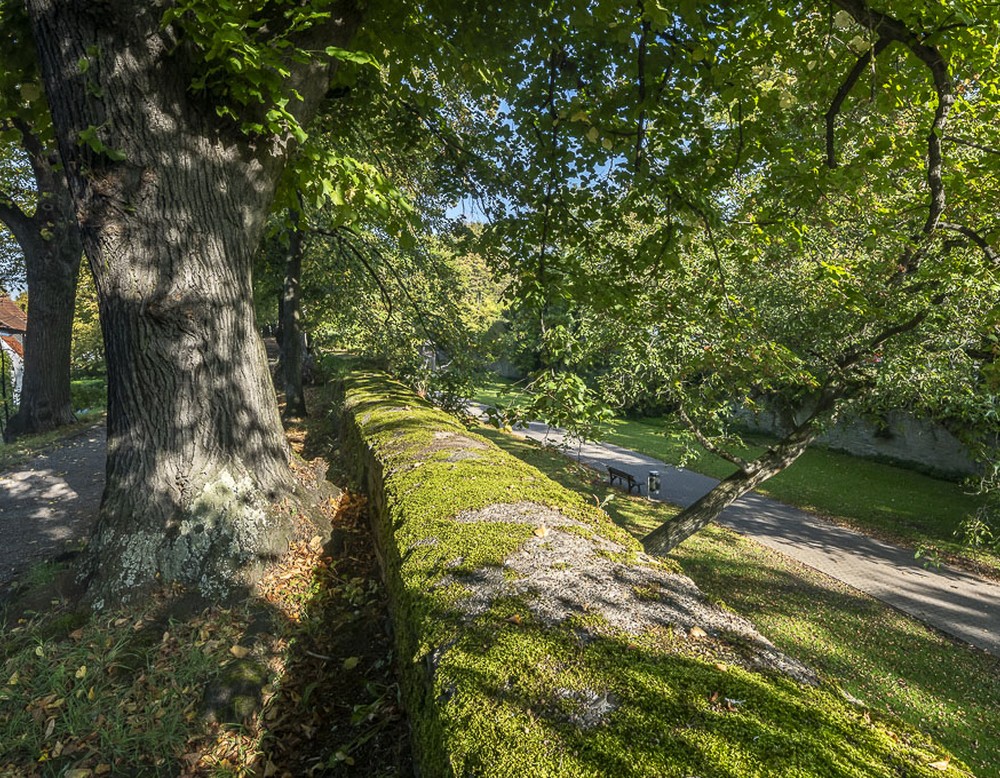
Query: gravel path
953, 601
50, 501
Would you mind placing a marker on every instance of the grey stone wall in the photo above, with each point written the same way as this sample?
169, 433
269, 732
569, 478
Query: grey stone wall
902, 438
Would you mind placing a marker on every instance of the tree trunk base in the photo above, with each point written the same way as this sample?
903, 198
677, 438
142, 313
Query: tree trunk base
219, 547
34, 420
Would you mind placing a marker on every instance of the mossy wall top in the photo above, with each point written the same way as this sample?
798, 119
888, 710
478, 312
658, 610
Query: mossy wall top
536, 639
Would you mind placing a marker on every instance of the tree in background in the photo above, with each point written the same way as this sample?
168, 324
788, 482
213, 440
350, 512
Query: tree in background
36, 207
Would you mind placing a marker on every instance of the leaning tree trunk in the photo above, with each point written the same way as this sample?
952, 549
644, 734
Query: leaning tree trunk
171, 201
52, 267
292, 338
670, 534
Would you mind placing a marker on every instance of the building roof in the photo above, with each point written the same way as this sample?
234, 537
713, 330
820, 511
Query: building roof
14, 343
11, 317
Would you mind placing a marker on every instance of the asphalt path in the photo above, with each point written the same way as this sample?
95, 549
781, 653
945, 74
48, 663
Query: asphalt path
50, 502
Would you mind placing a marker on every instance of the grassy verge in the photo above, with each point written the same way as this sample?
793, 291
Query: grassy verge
892, 662
295, 679
891, 502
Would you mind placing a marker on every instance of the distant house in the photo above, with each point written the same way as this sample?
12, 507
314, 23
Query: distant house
13, 325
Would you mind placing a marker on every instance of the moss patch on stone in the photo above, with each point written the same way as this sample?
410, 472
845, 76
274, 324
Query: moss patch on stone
535, 638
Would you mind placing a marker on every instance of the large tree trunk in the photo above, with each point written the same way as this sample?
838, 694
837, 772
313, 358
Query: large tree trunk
670, 534
292, 340
171, 205
52, 267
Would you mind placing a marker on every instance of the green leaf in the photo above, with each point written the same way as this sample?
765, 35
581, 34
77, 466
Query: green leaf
345, 55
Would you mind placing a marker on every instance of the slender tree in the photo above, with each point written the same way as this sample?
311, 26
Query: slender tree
43, 222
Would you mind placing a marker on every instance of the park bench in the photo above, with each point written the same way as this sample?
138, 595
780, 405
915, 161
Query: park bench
624, 478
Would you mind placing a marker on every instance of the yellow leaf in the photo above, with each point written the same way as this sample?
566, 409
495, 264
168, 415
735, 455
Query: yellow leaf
941, 765
102, 769
13, 680
79, 772
39, 651
239, 651
81, 672
541, 531
351, 662
90, 694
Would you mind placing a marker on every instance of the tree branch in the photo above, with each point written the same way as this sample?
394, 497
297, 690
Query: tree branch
18, 222
975, 237
971, 144
845, 89
708, 445
889, 27
342, 242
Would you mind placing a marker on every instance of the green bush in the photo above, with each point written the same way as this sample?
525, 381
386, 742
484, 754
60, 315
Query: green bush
89, 393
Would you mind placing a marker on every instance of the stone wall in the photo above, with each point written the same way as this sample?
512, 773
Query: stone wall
899, 438
534, 638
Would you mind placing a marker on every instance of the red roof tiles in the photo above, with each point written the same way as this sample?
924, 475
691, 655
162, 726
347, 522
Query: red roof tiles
14, 343
11, 317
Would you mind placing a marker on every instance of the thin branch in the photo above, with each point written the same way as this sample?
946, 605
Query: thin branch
845, 89
886, 26
708, 445
971, 144
975, 237
342, 243
640, 136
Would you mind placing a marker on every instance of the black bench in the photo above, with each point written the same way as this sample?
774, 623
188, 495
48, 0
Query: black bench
624, 478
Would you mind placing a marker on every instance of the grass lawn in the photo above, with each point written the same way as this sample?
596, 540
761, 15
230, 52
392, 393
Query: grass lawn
894, 503
890, 661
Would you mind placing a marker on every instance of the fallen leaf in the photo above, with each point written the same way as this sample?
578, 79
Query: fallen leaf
697, 633
351, 662
941, 765
81, 672
515, 619
79, 772
541, 531
13, 680
239, 651
50, 727
102, 769
76, 634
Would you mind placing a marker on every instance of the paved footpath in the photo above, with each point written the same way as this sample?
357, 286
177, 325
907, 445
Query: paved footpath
958, 603
50, 501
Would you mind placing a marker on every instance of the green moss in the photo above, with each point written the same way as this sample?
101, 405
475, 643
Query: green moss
501, 694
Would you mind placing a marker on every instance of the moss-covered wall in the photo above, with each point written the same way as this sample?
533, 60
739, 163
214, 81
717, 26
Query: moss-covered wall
535, 639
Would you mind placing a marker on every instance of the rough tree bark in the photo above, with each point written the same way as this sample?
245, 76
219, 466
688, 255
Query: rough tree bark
171, 203
50, 242
748, 477
292, 339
